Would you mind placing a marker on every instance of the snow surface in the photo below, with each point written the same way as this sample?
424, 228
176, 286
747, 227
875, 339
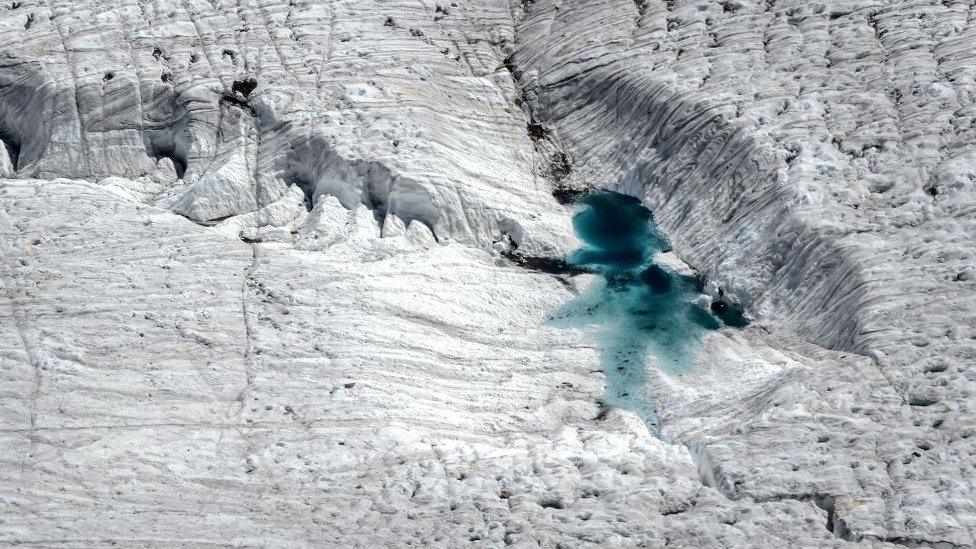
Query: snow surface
263, 265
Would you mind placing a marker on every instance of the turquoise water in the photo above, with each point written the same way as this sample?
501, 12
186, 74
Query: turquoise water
638, 307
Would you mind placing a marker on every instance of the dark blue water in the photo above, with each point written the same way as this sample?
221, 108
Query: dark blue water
639, 307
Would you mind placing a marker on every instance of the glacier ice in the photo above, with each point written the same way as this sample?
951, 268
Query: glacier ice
257, 283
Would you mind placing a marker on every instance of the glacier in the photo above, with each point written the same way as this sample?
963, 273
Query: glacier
303, 273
